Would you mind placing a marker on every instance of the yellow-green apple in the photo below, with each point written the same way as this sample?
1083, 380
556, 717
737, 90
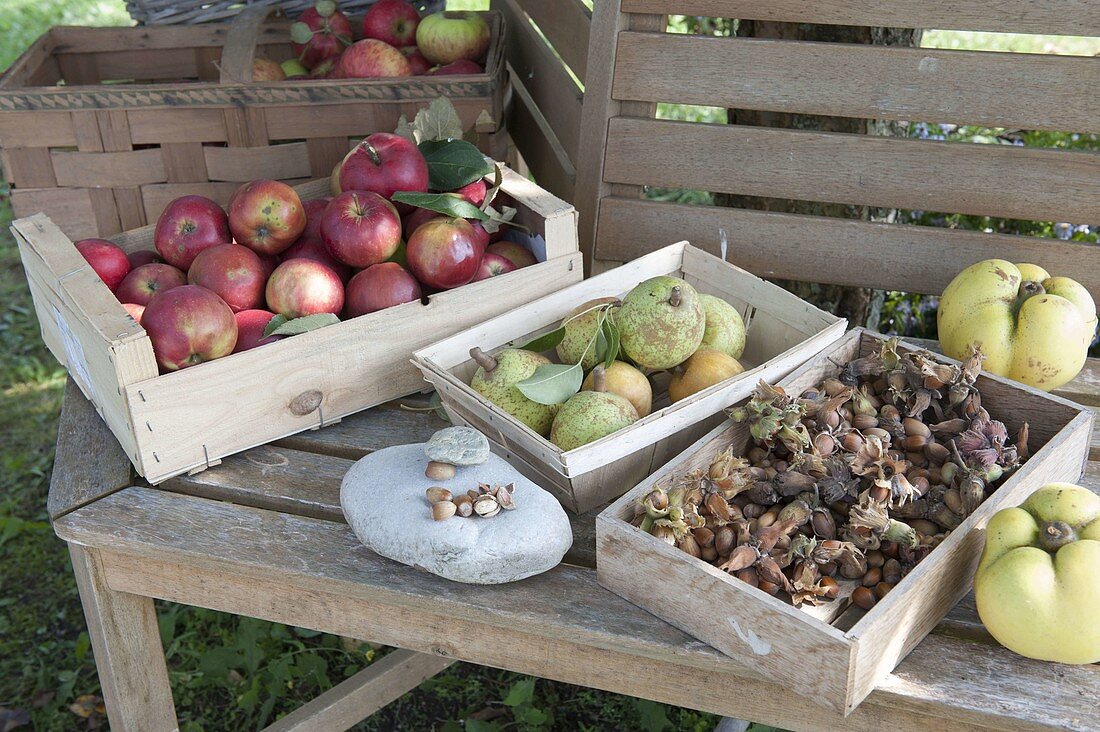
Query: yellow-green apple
294, 69
493, 265
232, 272
314, 248
445, 253
266, 216
134, 310
300, 287
384, 163
188, 325
147, 280
360, 228
264, 69
517, 254
250, 329
392, 21
188, 225
370, 58
417, 63
380, 286
144, 256
106, 260
320, 34
452, 35
456, 68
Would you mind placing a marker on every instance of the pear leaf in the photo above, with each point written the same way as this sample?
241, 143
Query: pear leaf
552, 383
546, 341
609, 333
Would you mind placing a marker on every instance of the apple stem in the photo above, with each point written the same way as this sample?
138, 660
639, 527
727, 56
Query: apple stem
675, 297
1053, 535
374, 156
483, 359
599, 378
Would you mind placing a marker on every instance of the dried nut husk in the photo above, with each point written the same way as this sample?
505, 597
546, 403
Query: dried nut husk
748, 575
798, 512
436, 494
770, 587
717, 507
891, 571
464, 504
872, 577
474, 495
824, 526
443, 510
833, 386
936, 453
882, 589
740, 558
768, 518
953, 500
488, 506
864, 598
924, 527
439, 471
658, 499
832, 589
753, 510
504, 498
689, 545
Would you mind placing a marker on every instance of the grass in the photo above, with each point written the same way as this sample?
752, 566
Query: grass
231, 673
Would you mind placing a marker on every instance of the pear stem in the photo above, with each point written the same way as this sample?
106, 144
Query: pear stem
1053, 535
1028, 289
483, 359
599, 378
675, 297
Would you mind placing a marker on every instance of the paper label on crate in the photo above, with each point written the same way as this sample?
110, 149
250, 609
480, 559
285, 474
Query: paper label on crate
75, 360
534, 242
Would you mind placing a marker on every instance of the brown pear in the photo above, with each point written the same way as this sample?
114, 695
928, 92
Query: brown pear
704, 369
626, 381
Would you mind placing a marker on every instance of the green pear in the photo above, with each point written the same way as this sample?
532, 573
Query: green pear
725, 328
496, 378
579, 332
661, 323
589, 415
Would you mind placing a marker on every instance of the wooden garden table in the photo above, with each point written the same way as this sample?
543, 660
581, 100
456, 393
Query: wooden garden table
262, 535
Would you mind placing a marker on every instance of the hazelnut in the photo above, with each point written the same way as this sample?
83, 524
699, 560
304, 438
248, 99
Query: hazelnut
864, 598
443, 510
439, 471
465, 505
872, 577
882, 588
437, 494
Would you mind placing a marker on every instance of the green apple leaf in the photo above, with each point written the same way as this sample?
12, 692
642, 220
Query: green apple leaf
447, 204
506, 215
277, 322
453, 163
552, 383
492, 191
404, 129
546, 341
439, 121
297, 326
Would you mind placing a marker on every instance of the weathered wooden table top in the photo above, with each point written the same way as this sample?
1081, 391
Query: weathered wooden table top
262, 534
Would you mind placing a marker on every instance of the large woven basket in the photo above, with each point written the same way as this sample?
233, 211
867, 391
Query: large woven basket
163, 12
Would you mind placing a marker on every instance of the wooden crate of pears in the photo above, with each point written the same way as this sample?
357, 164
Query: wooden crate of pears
826, 527
673, 338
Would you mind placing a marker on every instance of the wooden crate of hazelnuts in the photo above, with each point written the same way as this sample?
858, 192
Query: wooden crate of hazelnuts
874, 554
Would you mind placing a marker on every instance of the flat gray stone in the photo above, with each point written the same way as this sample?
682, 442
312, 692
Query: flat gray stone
458, 446
383, 500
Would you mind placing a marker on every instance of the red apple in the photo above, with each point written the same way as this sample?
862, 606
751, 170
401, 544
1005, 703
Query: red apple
264, 69
392, 21
324, 69
189, 325
269, 262
384, 163
187, 226
144, 256
266, 216
233, 273
445, 253
316, 250
301, 287
417, 218
453, 35
106, 259
482, 234
250, 329
380, 286
147, 280
462, 66
313, 207
320, 34
493, 265
361, 228
417, 63
474, 192
134, 310
517, 254
371, 58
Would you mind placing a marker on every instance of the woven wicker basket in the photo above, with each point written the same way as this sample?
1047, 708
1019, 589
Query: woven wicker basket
164, 12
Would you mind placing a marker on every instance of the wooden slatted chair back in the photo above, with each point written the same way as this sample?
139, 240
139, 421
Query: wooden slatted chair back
634, 64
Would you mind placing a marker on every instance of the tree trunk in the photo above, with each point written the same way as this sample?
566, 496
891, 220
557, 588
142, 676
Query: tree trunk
861, 306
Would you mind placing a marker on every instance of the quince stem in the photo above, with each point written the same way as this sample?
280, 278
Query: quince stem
1053, 535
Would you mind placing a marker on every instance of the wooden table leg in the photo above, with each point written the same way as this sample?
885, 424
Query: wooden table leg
128, 652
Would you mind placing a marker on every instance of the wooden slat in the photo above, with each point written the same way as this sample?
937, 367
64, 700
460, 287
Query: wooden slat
128, 168
69, 208
365, 432
176, 124
157, 196
241, 164
1068, 17
37, 129
28, 167
535, 139
29, 64
184, 162
845, 251
567, 24
129, 65
1032, 91
356, 698
547, 81
991, 180
559, 624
